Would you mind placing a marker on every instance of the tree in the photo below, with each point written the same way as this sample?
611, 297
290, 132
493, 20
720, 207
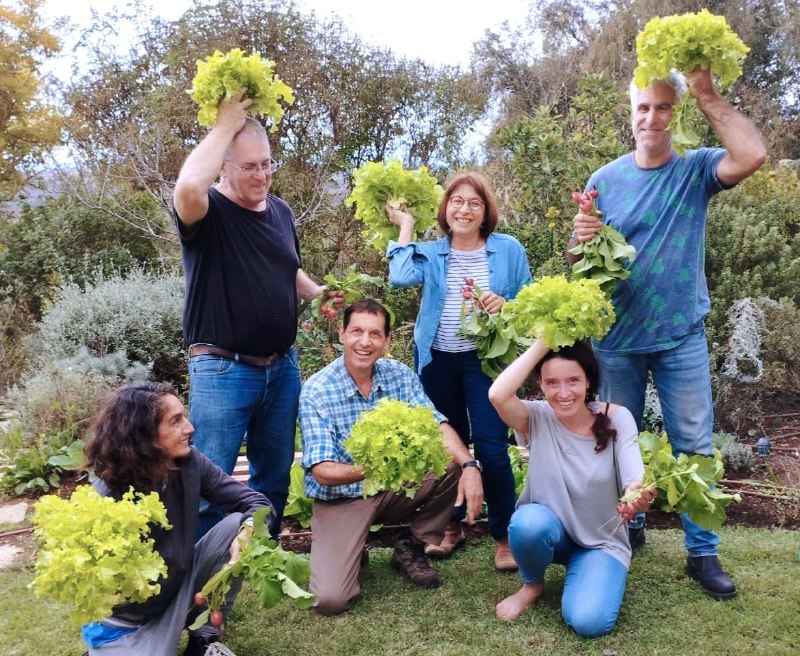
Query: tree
28, 127
133, 123
64, 240
550, 155
542, 62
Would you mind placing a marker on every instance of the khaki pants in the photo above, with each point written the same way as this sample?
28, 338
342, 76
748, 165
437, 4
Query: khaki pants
339, 531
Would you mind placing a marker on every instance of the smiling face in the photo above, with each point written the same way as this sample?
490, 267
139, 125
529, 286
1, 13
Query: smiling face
652, 113
564, 384
248, 188
174, 429
364, 340
465, 221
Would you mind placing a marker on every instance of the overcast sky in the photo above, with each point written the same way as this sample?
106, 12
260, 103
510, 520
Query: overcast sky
438, 31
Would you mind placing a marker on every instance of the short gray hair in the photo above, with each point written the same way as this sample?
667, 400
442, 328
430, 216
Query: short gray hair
250, 125
675, 79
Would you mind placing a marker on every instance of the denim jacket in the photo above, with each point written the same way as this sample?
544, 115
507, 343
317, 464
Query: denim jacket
425, 263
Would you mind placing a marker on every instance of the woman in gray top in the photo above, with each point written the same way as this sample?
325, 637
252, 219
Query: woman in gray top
582, 454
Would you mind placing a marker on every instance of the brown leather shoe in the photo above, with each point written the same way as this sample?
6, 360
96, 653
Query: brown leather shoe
503, 558
453, 539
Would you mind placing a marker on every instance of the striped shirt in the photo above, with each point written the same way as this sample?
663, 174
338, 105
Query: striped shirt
330, 403
460, 266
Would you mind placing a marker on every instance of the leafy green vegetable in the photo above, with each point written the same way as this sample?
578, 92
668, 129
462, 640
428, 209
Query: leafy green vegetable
376, 183
272, 573
560, 312
354, 285
686, 484
603, 259
94, 552
687, 42
397, 444
519, 467
495, 342
221, 76
298, 505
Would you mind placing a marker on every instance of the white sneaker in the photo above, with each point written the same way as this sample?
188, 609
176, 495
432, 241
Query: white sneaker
218, 649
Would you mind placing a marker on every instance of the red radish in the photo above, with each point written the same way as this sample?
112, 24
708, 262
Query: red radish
199, 600
217, 618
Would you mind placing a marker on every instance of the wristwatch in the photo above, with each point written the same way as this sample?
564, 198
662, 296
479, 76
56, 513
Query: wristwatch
473, 463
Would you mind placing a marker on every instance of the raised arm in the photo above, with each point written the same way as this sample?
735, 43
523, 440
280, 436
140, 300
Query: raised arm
503, 392
746, 150
403, 219
203, 165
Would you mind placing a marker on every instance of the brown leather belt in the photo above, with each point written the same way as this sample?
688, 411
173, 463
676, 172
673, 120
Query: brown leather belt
254, 360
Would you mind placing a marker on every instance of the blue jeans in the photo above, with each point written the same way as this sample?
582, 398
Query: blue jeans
594, 583
460, 391
681, 376
229, 400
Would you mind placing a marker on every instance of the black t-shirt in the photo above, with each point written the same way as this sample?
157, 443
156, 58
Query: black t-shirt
241, 271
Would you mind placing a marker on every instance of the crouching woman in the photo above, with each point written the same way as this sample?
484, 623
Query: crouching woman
140, 438
582, 454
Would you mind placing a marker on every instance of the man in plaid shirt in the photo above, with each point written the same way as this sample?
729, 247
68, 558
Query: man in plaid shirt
331, 401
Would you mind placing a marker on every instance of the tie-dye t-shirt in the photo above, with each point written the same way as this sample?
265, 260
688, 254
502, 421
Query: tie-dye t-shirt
662, 213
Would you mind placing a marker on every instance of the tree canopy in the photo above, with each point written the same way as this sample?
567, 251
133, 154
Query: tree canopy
28, 126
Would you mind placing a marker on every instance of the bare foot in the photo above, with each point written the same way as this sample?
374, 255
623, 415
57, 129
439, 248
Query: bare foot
512, 607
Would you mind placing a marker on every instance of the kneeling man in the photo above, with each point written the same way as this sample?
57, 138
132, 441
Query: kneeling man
331, 401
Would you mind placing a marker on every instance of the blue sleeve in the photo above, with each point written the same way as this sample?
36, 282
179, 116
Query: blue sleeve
318, 432
405, 268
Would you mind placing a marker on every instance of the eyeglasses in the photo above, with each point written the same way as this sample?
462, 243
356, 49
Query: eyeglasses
475, 204
249, 169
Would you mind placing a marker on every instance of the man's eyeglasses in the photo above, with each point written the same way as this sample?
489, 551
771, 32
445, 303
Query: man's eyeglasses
475, 204
249, 169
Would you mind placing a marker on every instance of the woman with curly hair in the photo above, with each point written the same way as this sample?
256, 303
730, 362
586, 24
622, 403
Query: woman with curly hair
140, 439
583, 454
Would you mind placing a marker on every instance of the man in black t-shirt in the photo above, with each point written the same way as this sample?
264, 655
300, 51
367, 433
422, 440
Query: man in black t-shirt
244, 280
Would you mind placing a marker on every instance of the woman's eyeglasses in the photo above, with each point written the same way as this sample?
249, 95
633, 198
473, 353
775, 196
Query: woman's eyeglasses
475, 204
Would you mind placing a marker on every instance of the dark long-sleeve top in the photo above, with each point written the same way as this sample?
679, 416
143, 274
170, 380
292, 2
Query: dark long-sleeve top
196, 476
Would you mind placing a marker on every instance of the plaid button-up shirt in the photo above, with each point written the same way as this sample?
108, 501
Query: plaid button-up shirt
330, 403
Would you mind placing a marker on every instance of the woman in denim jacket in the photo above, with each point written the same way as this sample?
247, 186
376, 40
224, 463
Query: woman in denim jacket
471, 254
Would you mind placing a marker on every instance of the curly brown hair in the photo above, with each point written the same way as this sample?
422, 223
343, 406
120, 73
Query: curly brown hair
123, 447
582, 353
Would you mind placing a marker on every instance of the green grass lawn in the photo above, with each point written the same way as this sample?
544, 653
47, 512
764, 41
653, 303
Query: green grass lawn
664, 613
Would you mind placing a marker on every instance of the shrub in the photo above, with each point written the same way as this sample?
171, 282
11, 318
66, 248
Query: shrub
652, 418
139, 315
65, 239
550, 156
13, 322
735, 455
39, 465
753, 245
63, 395
739, 401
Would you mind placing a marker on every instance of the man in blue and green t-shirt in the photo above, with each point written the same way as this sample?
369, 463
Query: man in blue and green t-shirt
658, 200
